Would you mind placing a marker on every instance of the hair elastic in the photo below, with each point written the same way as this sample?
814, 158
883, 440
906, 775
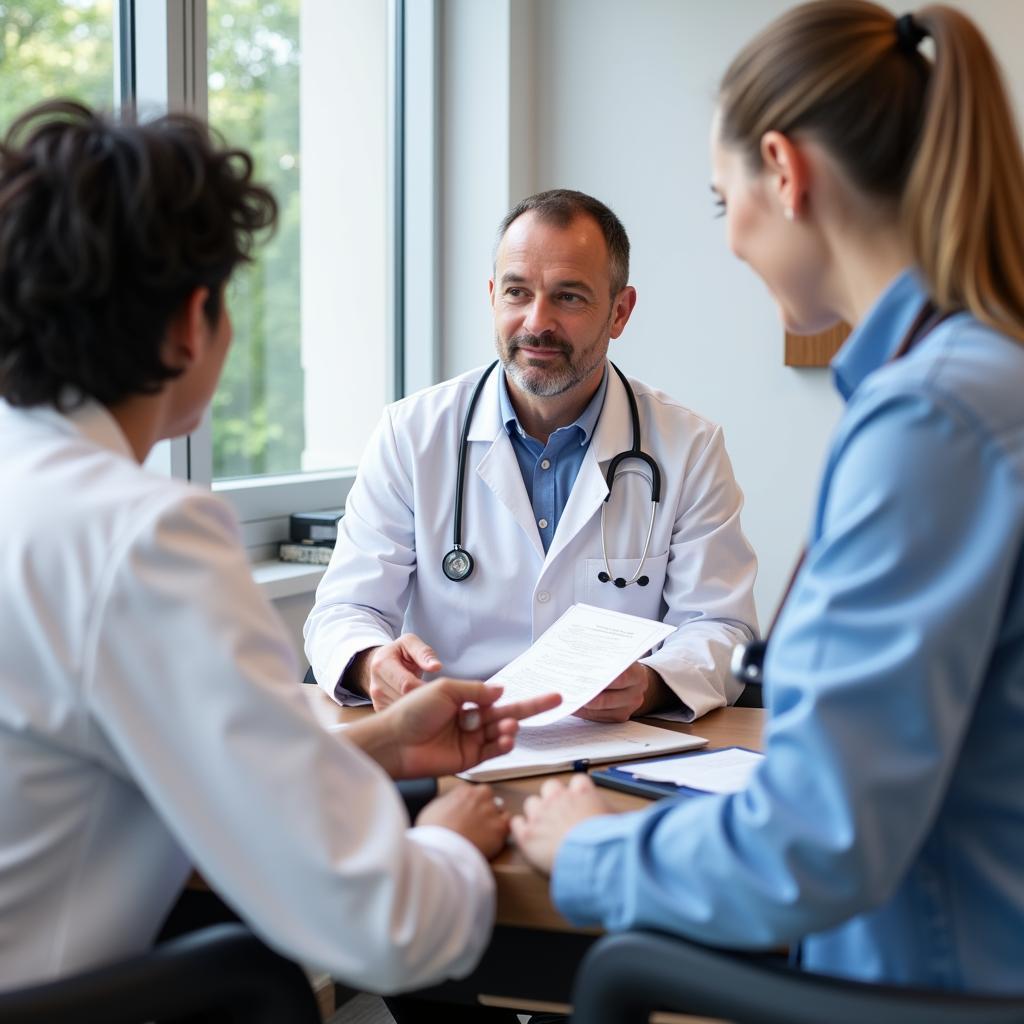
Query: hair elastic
908, 34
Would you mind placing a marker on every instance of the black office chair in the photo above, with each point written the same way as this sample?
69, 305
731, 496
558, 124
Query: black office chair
751, 697
625, 977
223, 970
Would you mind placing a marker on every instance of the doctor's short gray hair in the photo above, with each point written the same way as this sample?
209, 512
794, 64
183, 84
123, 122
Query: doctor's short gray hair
561, 206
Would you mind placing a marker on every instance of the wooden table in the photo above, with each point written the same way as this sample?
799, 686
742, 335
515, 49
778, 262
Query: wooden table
523, 897
534, 952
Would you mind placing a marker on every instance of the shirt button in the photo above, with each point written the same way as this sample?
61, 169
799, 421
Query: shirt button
542, 523
545, 463
543, 597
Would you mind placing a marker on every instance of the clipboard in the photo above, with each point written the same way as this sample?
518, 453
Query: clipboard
622, 780
613, 778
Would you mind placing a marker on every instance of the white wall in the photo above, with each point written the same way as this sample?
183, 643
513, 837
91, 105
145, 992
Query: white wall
616, 101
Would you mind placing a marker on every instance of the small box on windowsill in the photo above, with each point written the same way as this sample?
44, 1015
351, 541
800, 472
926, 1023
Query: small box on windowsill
314, 527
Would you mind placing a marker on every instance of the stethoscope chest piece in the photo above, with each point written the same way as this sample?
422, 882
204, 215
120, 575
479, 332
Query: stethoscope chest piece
457, 565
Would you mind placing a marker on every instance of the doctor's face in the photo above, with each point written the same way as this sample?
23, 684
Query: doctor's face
553, 309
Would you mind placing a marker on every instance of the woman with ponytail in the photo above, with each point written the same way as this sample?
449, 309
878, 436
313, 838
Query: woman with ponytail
869, 169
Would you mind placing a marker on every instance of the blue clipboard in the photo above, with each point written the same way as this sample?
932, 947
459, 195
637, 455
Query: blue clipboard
617, 778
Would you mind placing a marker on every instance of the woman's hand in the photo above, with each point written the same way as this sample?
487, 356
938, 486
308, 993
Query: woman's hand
547, 819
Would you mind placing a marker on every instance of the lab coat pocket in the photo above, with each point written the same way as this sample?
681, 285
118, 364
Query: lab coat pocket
634, 600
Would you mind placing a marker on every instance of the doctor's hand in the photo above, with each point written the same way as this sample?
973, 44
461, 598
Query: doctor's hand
388, 672
473, 812
547, 819
432, 732
637, 691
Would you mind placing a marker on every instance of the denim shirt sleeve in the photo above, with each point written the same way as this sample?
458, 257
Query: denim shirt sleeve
872, 674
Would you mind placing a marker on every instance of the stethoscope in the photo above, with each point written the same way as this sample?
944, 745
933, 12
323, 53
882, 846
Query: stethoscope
458, 564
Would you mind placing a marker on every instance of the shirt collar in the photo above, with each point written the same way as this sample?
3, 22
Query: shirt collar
585, 422
879, 334
95, 421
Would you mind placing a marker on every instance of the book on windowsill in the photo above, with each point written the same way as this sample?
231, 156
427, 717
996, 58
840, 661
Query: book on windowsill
306, 554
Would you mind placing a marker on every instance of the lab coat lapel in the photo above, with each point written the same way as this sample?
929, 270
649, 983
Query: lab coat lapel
499, 468
611, 436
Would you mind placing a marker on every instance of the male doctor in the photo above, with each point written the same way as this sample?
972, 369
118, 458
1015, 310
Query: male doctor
548, 421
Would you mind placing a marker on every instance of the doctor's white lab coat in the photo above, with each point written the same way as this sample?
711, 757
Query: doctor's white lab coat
385, 575
151, 719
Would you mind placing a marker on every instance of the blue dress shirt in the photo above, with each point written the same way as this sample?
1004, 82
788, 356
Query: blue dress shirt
885, 827
550, 470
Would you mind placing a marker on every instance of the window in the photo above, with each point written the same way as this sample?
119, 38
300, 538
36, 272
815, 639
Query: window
309, 87
303, 85
50, 49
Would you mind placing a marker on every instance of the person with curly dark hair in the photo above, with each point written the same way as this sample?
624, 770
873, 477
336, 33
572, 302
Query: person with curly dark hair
150, 717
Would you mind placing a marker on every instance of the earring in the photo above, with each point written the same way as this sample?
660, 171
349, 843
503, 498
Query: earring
789, 213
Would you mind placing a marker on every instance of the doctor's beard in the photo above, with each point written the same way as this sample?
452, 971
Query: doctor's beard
548, 381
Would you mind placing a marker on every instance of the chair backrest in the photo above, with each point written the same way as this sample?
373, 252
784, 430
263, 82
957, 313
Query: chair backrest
751, 697
624, 977
223, 969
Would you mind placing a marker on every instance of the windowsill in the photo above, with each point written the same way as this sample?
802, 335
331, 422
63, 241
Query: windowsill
286, 579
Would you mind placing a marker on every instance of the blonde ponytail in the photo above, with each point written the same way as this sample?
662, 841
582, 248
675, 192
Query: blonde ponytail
964, 200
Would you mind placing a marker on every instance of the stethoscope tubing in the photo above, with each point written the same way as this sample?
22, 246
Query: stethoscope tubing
464, 454
458, 563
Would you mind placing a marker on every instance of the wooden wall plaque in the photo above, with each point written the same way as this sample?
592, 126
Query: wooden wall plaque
815, 349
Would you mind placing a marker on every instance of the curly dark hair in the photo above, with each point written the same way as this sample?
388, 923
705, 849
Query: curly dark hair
106, 227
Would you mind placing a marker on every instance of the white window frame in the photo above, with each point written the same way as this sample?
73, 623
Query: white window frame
170, 72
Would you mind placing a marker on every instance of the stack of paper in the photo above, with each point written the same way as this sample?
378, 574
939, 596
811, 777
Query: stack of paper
578, 656
720, 771
576, 743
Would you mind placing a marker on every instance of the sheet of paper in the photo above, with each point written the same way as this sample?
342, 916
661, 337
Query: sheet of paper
562, 743
578, 657
720, 771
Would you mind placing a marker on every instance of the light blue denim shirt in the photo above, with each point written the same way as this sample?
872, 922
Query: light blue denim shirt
885, 827
550, 470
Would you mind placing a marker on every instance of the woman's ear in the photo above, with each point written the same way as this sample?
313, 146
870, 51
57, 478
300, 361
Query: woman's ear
788, 172
187, 331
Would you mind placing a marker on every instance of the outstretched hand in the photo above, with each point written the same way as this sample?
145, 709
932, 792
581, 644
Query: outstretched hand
435, 733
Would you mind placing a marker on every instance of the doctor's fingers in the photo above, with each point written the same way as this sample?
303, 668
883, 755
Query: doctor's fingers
618, 713
386, 688
418, 652
612, 698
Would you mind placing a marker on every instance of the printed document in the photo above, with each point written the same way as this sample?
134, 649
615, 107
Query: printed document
578, 657
719, 771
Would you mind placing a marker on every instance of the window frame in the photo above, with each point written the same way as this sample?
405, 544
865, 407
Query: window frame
164, 53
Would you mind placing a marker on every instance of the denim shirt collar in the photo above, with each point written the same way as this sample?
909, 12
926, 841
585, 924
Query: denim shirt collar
879, 334
584, 423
